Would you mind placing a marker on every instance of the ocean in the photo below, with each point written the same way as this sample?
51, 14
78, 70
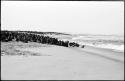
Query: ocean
113, 42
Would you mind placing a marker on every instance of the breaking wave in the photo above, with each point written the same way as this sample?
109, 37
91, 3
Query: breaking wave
115, 43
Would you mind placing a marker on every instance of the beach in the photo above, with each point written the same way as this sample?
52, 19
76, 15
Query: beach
62, 40
51, 62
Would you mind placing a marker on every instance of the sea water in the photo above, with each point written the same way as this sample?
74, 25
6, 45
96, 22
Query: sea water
112, 42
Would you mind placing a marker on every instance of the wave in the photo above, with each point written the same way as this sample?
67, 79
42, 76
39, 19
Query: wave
115, 43
118, 48
98, 37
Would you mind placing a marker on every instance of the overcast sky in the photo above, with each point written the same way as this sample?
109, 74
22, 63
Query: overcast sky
64, 16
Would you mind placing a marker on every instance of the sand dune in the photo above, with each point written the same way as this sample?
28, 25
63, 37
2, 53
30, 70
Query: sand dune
62, 63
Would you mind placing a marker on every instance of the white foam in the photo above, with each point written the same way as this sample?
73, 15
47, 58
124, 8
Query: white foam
91, 37
119, 48
110, 45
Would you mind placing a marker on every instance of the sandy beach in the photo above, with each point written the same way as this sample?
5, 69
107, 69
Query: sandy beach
62, 40
62, 63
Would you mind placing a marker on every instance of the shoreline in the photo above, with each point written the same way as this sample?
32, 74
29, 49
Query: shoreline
103, 52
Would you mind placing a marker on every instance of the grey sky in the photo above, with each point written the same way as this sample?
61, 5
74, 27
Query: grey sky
64, 16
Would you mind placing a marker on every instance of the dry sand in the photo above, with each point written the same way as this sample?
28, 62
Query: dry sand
62, 63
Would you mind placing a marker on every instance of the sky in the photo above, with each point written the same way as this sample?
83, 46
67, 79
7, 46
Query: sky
85, 17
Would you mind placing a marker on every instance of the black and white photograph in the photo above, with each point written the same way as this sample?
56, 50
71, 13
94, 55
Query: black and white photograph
62, 40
